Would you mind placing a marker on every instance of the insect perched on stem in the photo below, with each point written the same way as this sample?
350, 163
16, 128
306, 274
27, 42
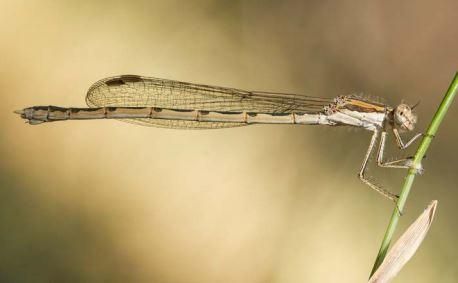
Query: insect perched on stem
172, 104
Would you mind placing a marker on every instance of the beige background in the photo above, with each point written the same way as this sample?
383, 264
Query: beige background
108, 201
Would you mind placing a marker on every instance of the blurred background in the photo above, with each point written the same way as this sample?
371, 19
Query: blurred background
106, 201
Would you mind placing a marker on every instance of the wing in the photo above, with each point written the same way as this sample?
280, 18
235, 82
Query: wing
138, 91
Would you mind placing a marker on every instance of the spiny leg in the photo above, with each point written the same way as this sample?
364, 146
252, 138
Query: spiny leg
362, 172
390, 164
395, 163
399, 141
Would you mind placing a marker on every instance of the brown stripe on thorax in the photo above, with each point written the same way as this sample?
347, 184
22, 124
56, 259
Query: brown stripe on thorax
359, 105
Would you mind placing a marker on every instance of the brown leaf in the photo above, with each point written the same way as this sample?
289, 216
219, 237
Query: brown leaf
405, 247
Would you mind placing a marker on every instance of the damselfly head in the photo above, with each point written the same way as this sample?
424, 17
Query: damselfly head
404, 117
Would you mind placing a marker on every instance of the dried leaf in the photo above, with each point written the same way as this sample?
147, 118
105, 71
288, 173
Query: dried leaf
405, 247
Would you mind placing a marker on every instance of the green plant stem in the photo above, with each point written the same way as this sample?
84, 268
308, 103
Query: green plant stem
426, 141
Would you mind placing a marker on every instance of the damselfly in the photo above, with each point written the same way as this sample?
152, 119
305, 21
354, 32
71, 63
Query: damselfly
173, 104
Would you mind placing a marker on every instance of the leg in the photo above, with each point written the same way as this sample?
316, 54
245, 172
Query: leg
391, 164
361, 176
399, 141
395, 163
